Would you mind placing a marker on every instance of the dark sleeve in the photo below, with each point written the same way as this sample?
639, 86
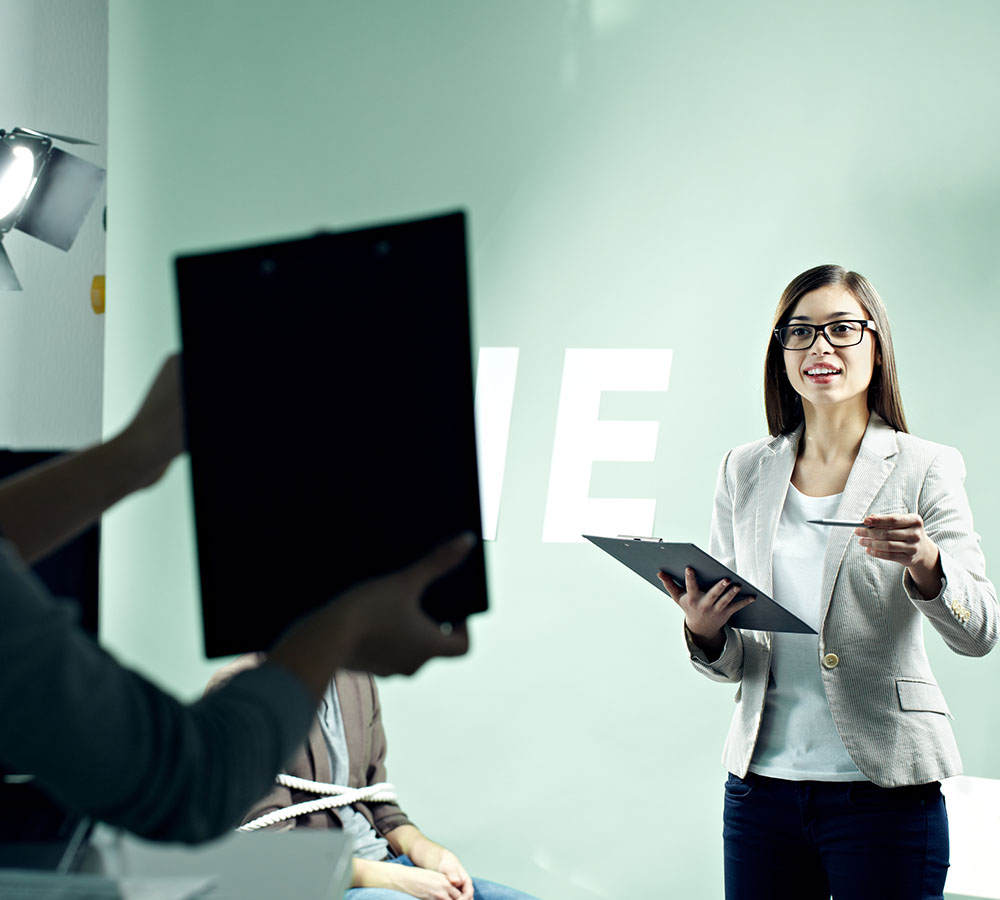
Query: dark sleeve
104, 741
279, 797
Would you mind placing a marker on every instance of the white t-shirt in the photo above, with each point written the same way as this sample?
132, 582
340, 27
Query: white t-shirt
365, 841
798, 739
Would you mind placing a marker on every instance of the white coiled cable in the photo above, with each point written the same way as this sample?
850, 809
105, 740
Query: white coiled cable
331, 796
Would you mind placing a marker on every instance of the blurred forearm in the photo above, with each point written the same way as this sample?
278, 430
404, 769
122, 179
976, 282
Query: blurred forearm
49, 504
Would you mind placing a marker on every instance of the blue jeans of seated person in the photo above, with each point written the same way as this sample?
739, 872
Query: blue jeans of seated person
803, 840
485, 890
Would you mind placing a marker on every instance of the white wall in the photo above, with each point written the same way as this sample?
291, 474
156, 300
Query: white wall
51, 340
639, 175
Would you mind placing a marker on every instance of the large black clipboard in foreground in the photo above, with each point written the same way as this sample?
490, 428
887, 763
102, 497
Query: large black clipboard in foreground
329, 412
648, 556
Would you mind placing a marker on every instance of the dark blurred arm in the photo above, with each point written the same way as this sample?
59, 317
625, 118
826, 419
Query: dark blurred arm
47, 505
105, 741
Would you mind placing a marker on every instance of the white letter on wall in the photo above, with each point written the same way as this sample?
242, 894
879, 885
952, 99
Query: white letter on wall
582, 439
496, 373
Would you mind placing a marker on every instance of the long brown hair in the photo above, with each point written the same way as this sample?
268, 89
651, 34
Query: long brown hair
781, 403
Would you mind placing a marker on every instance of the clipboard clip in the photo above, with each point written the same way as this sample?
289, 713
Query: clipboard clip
636, 537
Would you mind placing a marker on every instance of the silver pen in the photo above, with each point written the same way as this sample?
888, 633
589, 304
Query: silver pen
837, 523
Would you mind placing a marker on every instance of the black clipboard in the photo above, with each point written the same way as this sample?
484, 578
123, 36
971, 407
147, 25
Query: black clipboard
329, 412
647, 556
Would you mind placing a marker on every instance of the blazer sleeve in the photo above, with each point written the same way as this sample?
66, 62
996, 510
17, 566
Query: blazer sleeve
721, 544
385, 816
965, 612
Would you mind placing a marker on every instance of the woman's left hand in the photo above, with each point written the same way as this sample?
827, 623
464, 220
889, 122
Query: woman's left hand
902, 539
449, 866
430, 855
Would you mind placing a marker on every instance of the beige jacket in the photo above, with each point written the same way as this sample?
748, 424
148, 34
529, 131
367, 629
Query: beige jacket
885, 701
366, 747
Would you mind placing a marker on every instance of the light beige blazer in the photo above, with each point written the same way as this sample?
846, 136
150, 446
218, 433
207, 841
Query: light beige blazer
885, 702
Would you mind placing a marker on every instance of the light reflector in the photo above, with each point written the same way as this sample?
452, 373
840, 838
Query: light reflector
8, 280
17, 166
66, 189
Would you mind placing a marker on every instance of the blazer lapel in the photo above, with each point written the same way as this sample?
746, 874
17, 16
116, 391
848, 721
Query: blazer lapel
351, 690
872, 467
774, 474
319, 754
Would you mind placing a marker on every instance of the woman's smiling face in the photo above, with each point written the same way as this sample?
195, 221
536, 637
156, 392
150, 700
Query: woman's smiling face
825, 375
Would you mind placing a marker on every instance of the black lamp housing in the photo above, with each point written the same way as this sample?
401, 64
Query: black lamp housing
50, 203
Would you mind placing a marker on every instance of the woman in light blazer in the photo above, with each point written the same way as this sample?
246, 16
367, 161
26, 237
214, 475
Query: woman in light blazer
839, 739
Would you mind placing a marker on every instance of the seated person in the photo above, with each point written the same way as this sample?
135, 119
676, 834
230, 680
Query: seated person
346, 746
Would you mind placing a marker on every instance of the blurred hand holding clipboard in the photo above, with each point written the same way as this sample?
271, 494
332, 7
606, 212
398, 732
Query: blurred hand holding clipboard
647, 556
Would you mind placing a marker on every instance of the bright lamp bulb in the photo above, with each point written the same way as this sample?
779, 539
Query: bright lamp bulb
15, 181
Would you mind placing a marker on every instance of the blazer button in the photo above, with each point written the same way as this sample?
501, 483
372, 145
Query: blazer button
831, 661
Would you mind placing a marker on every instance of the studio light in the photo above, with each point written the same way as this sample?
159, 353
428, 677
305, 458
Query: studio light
44, 192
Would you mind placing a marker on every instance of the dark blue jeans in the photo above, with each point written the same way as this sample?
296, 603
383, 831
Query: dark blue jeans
806, 840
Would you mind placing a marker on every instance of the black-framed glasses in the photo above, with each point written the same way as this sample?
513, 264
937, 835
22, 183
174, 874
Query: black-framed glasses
842, 333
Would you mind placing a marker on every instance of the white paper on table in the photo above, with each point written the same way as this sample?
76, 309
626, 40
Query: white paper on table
974, 827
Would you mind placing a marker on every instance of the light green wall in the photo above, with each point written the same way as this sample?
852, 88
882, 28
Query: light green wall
638, 174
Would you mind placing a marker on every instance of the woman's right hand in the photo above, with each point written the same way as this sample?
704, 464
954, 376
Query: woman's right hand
705, 612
